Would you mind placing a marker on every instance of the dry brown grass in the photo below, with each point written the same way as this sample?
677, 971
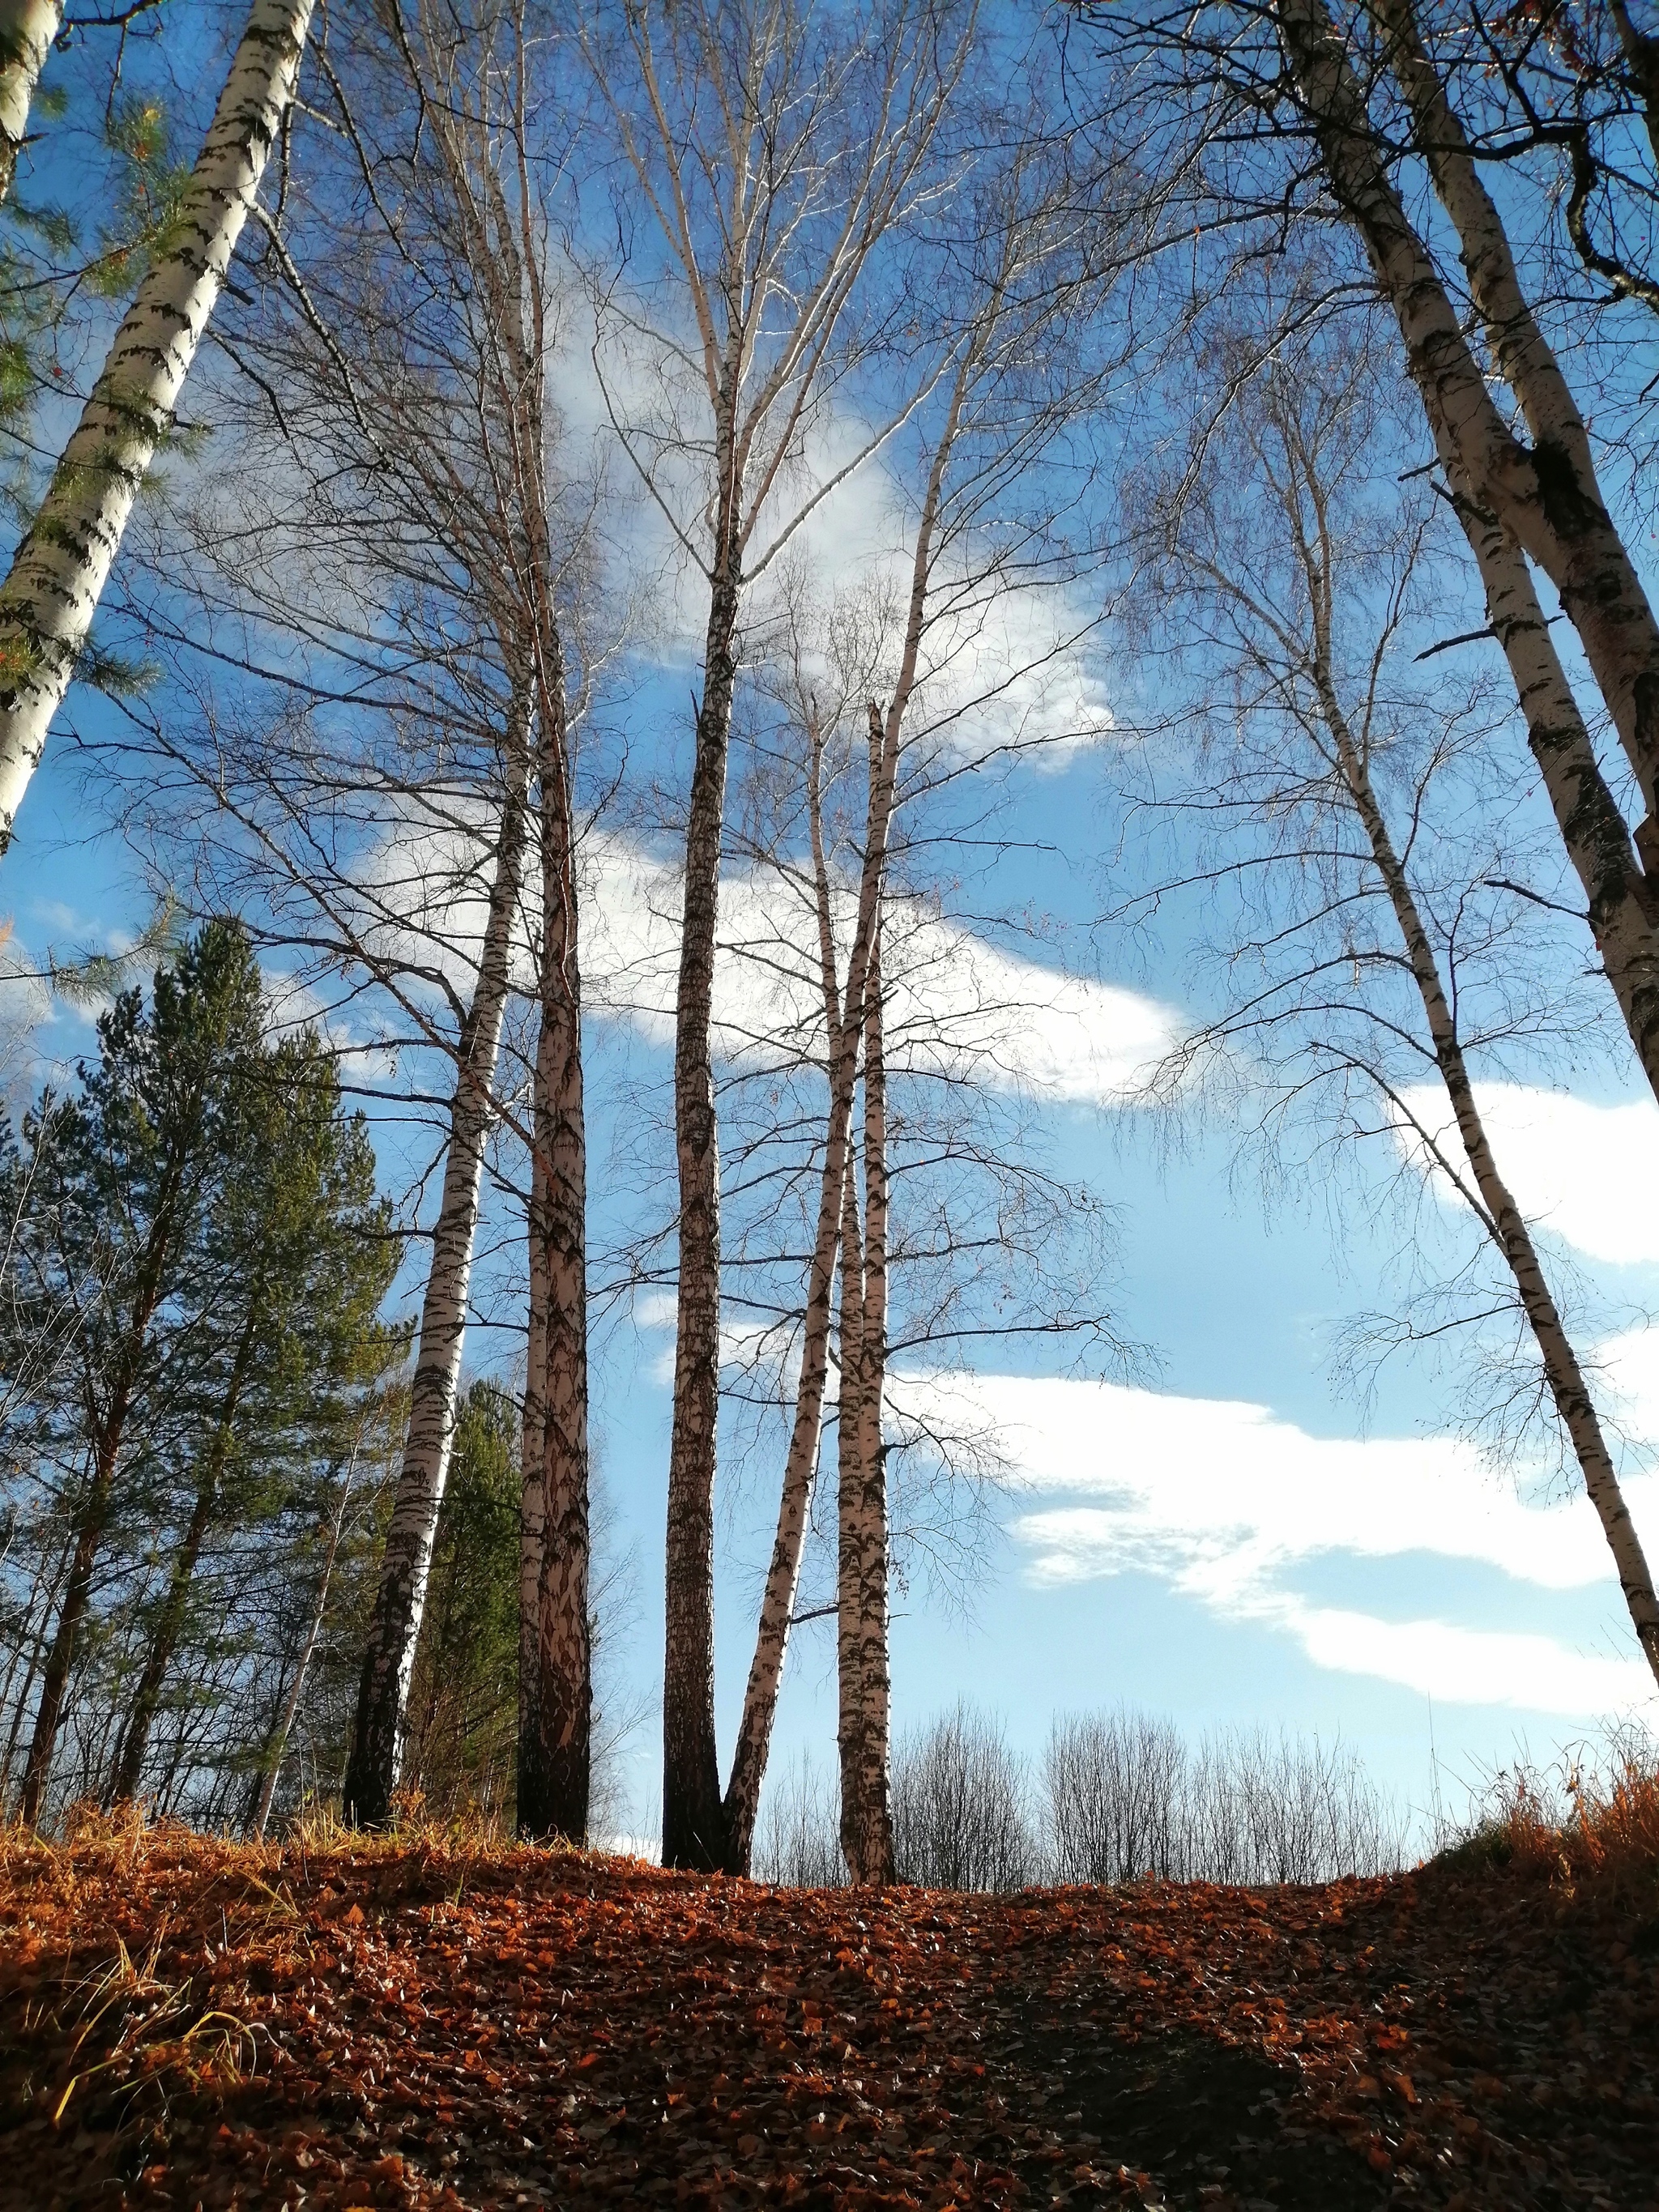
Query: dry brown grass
1587, 1827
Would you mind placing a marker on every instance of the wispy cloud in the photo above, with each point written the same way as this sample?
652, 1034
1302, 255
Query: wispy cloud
1231, 1506
959, 1005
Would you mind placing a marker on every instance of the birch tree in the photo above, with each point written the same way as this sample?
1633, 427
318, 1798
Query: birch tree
1015, 380
1255, 117
1309, 598
1543, 502
58, 571
433, 1394
844, 1025
775, 150
28, 28
274, 1748
1547, 494
475, 89
864, 1670
385, 735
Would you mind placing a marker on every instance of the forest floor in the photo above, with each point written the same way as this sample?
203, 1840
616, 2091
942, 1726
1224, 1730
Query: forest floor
440, 2022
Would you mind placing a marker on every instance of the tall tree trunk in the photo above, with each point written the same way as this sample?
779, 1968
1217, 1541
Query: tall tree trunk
394, 1629
44, 1589
874, 1823
800, 1467
1642, 60
47, 602
845, 1028
1493, 1203
693, 1814
532, 1433
28, 28
1621, 898
124, 1783
554, 1755
1586, 557
107, 1431
1534, 492
276, 1748
849, 1529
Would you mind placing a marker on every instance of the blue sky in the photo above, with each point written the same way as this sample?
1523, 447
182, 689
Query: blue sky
1235, 1540
1228, 1538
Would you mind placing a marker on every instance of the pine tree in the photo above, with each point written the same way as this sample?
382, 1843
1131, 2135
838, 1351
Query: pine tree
297, 1254
196, 1237
120, 1178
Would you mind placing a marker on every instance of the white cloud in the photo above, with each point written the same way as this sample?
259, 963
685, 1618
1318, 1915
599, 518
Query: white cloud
958, 1005
1584, 1170
1010, 659
1225, 1503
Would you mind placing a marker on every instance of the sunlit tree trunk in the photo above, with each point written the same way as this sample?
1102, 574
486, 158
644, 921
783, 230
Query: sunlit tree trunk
800, 1467
1620, 897
48, 601
1579, 546
1641, 59
395, 1626
1536, 493
531, 1437
875, 1809
849, 1528
28, 28
276, 1748
844, 1025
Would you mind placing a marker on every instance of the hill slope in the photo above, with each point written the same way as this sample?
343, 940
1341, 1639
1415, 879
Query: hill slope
428, 2023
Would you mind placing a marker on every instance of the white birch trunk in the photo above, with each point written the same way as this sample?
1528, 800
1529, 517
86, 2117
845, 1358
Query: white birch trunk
1594, 572
844, 1026
554, 1753
800, 1468
693, 1809
48, 601
532, 1433
849, 1556
28, 28
1496, 1209
1619, 896
1533, 493
395, 1627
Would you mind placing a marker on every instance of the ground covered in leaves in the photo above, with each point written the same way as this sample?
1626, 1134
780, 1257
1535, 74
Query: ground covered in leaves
435, 2023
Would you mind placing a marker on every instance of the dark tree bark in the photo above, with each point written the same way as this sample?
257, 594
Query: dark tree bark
556, 1741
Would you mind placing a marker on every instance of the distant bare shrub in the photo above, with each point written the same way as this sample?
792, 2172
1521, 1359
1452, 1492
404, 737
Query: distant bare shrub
1115, 1783
959, 1813
1265, 1808
1125, 1798
797, 1840
1121, 1796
